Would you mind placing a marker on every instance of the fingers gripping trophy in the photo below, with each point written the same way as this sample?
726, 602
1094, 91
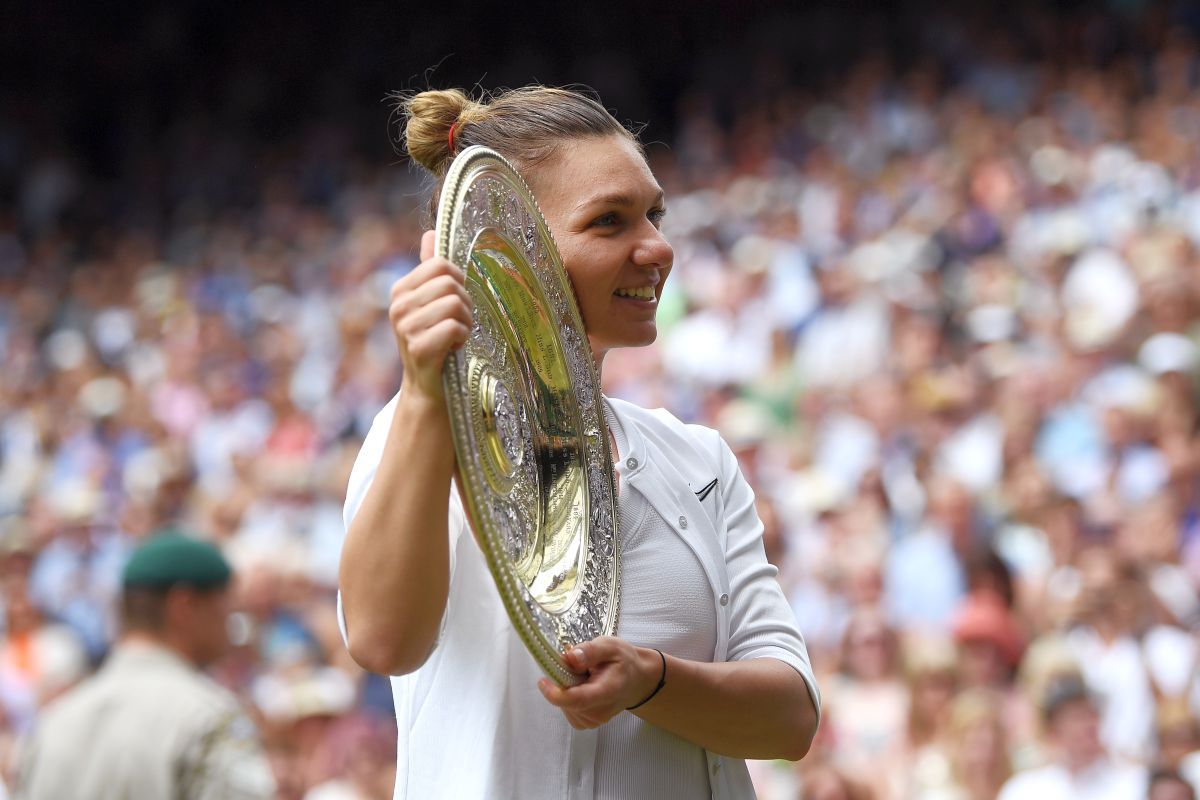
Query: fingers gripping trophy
502, 510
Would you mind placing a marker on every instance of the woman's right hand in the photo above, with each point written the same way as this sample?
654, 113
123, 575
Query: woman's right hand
430, 314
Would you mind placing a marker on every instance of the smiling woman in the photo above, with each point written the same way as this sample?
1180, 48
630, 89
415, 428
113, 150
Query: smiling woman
609, 238
708, 667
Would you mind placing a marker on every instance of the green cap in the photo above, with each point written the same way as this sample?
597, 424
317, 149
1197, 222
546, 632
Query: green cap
170, 558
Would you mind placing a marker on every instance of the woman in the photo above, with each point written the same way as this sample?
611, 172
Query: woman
417, 602
868, 702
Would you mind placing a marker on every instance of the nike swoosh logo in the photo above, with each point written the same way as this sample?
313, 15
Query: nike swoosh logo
707, 490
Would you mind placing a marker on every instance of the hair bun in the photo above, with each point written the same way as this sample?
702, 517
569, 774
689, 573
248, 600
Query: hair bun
524, 125
430, 115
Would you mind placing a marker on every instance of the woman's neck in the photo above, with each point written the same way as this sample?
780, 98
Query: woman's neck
598, 360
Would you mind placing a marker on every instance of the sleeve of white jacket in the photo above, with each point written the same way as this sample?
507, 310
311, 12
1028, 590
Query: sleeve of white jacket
362, 475
761, 623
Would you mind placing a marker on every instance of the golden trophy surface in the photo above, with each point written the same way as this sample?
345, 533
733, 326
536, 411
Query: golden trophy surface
534, 465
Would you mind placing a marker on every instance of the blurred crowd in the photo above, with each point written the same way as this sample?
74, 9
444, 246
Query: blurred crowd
947, 315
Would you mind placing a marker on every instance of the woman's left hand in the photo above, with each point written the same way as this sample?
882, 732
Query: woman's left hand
619, 675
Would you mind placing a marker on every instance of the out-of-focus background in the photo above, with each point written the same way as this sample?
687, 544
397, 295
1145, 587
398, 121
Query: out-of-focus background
937, 282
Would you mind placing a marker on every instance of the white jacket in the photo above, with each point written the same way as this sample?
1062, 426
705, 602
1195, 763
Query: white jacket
471, 721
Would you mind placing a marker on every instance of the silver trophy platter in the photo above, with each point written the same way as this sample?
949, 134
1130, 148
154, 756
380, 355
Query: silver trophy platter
534, 465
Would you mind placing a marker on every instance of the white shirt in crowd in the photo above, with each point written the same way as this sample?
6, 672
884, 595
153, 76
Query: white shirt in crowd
1103, 780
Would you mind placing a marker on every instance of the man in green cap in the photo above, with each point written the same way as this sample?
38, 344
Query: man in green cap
149, 724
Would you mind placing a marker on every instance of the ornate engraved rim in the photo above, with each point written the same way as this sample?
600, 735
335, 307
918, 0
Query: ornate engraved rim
513, 209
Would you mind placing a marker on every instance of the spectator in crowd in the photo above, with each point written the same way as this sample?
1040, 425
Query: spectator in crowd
829, 784
867, 703
39, 658
1168, 785
149, 724
1178, 736
970, 760
1081, 767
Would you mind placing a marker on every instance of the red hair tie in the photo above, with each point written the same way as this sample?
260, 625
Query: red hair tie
450, 138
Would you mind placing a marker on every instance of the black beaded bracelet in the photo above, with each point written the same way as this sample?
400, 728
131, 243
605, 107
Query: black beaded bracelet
662, 681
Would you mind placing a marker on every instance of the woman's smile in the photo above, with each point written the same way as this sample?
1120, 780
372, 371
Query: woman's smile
643, 295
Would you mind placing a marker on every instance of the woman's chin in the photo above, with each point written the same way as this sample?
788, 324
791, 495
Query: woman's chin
628, 338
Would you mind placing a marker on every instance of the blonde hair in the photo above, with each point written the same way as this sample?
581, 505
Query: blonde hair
524, 125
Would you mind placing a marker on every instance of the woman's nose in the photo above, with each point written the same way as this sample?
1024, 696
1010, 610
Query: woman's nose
653, 250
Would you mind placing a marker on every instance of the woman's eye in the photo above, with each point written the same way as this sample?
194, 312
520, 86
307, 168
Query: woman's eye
655, 215
606, 221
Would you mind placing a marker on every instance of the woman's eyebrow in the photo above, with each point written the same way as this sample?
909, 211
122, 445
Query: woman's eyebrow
621, 199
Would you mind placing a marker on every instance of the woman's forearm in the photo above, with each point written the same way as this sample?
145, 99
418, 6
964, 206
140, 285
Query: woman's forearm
394, 574
759, 708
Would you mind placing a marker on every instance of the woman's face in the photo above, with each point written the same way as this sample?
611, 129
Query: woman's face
933, 691
604, 208
980, 747
868, 651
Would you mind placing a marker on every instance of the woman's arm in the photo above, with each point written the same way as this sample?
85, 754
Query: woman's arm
756, 704
760, 708
394, 573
